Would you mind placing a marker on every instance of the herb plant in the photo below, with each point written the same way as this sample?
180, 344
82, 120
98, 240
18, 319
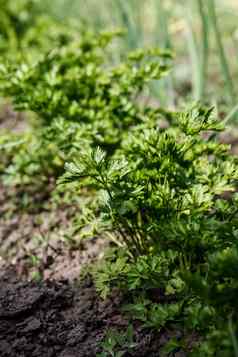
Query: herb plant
117, 344
163, 196
79, 100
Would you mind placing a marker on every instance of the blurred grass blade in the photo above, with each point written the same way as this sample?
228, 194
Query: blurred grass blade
231, 114
163, 40
194, 57
204, 50
221, 51
126, 17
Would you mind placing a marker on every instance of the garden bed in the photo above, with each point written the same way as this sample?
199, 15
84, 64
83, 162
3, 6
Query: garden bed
153, 189
56, 318
45, 310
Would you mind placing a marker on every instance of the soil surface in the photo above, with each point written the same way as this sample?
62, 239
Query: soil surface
58, 319
34, 238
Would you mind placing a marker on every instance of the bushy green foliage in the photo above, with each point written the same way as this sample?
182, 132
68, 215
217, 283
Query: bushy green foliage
16, 18
26, 30
164, 198
159, 187
80, 100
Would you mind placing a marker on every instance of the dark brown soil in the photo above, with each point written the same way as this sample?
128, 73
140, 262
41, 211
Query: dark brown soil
57, 319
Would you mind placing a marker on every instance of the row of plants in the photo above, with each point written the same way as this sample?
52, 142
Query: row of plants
162, 187
203, 33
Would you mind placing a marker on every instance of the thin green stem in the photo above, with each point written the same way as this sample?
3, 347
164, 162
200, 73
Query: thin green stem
233, 336
231, 114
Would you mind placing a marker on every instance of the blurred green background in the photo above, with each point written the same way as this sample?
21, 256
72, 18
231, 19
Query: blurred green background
203, 35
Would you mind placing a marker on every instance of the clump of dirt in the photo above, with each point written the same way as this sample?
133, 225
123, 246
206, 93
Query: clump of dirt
11, 120
50, 319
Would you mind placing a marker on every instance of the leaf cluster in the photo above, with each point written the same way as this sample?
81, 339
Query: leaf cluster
163, 196
26, 30
79, 99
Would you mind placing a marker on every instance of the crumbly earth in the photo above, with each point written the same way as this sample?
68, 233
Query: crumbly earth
59, 319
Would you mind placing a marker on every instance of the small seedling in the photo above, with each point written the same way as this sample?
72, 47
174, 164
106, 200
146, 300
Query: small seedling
116, 344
